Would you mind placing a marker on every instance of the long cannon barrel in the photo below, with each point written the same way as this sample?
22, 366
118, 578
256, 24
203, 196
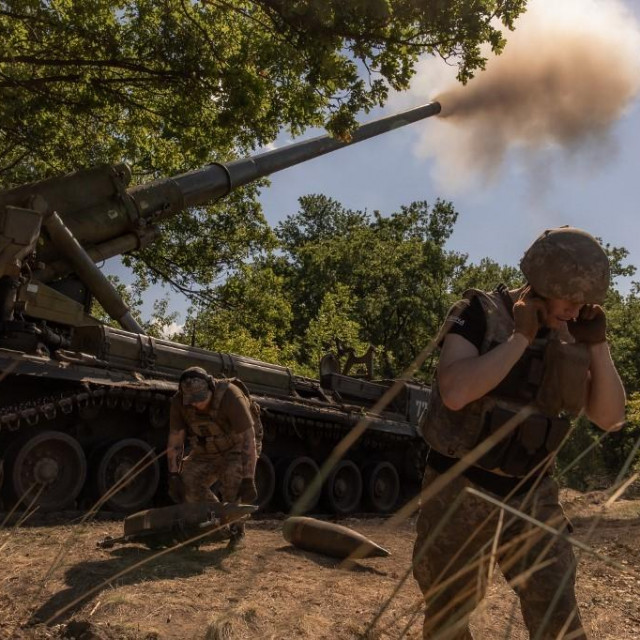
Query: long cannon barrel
93, 214
108, 218
214, 181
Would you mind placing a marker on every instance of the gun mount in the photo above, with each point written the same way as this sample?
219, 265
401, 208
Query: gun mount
82, 404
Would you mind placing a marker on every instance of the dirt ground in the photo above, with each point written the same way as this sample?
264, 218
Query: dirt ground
55, 583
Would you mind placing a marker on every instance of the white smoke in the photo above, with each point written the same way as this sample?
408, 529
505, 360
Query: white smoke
569, 71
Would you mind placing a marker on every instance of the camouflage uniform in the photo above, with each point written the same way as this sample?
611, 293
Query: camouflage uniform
200, 470
218, 436
453, 434
468, 536
551, 380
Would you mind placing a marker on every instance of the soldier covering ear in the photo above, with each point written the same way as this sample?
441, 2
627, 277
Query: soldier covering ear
514, 366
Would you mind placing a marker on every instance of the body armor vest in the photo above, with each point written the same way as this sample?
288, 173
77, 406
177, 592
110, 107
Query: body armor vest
551, 377
208, 433
211, 434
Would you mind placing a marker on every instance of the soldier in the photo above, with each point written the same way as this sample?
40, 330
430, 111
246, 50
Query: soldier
540, 349
217, 417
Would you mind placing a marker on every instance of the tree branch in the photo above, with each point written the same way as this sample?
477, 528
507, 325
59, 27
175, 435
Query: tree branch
199, 294
82, 62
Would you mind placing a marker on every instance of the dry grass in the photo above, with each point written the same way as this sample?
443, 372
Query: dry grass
272, 590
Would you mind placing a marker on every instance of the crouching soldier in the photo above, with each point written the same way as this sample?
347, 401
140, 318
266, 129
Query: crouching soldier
217, 417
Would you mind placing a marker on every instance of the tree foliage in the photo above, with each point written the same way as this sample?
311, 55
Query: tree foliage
170, 85
395, 268
162, 83
251, 317
486, 275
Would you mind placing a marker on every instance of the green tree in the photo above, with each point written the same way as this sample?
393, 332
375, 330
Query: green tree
623, 318
165, 82
396, 270
335, 321
251, 316
486, 275
305, 238
170, 85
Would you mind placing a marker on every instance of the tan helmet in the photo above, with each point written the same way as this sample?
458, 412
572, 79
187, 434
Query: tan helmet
196, 385
567, 263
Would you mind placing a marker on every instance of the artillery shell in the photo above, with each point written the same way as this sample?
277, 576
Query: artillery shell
329, 538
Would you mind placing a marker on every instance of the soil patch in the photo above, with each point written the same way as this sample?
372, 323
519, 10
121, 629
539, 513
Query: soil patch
57, 584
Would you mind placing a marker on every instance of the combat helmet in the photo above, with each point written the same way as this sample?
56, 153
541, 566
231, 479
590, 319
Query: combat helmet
567, 263
196, 385
195, 372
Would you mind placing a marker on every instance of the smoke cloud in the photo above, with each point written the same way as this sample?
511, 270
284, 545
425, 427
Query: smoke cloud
568, 72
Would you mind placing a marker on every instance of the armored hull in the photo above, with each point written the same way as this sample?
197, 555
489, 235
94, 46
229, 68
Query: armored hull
75, 424
84, 408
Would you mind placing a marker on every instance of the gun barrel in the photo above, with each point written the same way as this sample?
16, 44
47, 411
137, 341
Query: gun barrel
210, 183
108, 218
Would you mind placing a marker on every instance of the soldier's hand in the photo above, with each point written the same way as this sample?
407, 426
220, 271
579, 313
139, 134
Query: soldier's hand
529, 313
176, 490
590, 326
248, 493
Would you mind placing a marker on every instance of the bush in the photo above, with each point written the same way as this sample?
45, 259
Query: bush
594, 459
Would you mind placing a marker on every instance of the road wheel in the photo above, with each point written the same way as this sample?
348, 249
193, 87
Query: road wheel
381, 487
342, 489
265, 481
295, 479
47, 469
130, 463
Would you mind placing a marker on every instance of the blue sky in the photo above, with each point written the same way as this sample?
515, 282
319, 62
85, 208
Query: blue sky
595, 186
497, 220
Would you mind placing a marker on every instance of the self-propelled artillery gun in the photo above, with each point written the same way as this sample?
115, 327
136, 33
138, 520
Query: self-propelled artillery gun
84, 406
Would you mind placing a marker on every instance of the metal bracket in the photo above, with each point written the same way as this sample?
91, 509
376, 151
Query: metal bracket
148, 354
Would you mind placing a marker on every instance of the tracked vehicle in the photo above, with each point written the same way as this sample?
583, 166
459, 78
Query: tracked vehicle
82, 403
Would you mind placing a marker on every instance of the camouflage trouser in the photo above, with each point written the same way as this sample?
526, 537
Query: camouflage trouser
200, 470
452, 569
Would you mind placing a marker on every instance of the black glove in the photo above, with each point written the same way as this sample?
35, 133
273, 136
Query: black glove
590, 326
247, 493
176, 490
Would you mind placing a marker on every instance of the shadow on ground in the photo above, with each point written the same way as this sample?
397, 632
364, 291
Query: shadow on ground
328, 562
88, 579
